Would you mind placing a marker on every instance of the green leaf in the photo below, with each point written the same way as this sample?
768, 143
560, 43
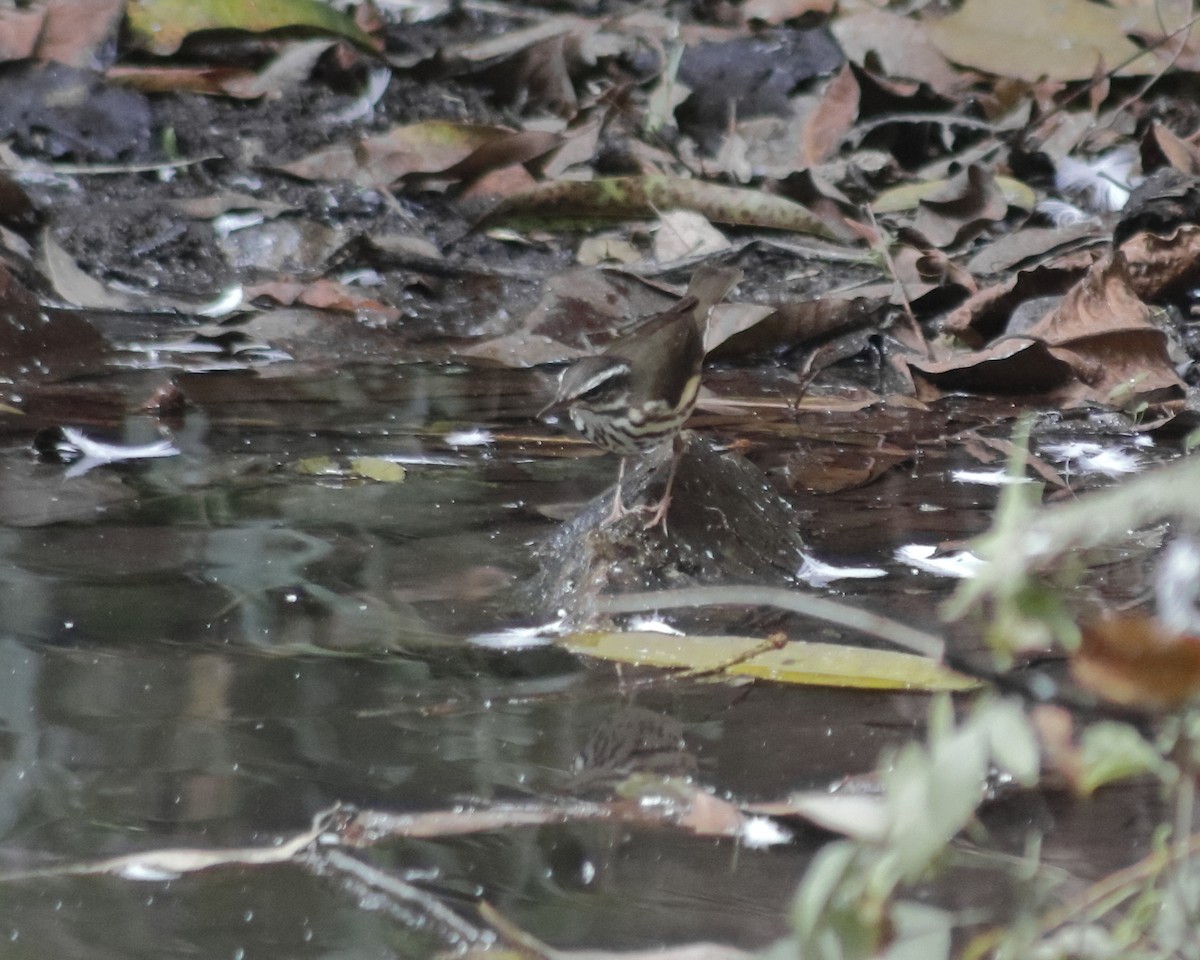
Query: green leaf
830, 916
1112, 751
1012, 740
907, 196
377, 468
318, 467
160, 26
363, 468
813, 664
919, 932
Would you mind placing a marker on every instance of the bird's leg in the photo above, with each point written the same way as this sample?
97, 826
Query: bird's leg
618, 511
658, 512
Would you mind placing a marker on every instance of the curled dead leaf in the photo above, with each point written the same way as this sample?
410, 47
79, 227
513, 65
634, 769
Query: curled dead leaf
1134, 660
585, 203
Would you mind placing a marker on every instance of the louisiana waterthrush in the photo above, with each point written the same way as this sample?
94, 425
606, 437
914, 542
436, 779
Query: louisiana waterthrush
635, 396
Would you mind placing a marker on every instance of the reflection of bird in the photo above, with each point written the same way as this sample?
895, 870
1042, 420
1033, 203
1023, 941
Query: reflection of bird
631, 740
636, 395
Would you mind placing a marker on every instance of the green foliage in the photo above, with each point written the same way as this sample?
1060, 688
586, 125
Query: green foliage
1116, 751
847, 906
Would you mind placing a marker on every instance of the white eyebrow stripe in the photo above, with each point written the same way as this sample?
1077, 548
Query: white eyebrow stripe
617, 370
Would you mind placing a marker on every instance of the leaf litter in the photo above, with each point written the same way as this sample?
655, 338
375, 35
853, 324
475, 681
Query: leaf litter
923, 214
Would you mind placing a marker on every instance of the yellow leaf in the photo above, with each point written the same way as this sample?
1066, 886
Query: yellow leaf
907, 196
815, 664
586, 203
376, 468
160, 26
317, 467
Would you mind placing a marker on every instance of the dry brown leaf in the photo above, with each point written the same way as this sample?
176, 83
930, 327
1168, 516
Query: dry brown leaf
323, 294
1136, 661
521, 146
158, 79
1100, 344
19, 32
791, 325
901, 45
685, 233
986, 314
1181, 154
831, 119
424, 147
1108, 335
1027, 246
1015, 365
831, 468
1157, 264
75, 31
1032, 39
512, 41
775, 12
961, 208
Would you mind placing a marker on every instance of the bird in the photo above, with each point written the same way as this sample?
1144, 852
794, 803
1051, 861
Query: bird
634, 397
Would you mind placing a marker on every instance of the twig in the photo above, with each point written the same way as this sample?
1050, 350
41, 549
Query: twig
873, 624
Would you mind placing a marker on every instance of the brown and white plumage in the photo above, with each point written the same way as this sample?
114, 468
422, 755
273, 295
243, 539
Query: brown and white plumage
637, 394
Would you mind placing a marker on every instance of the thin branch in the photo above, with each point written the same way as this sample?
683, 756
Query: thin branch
805, 604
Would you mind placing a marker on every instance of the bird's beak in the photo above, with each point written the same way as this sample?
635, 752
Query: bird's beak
554, 406
557, 404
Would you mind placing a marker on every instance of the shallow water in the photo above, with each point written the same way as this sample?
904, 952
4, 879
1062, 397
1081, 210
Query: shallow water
206, 650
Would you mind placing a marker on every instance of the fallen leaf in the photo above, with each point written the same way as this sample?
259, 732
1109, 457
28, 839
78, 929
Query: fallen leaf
1134, 660
19, 32
684, 233
40, 344
963, 207
75, 32
781, 11
324, 294
1029, 245
584, 203
900, 45
161, 79
1014, 365
506, 150
761, 329
831, 119
1105, 331
160, 26
1032, 39
75, 285
425, 147
1181, 154
862, 816
801, 662
987, 314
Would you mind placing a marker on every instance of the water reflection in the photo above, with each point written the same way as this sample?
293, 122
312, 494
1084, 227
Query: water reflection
208, 649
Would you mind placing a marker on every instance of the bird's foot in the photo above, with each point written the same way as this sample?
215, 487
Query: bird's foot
618, 512
657, 513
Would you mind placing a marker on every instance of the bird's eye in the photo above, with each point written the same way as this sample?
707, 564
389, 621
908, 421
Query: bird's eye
601, 389
605, 384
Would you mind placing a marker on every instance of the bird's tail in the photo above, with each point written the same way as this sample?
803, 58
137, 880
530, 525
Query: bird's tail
709, 285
